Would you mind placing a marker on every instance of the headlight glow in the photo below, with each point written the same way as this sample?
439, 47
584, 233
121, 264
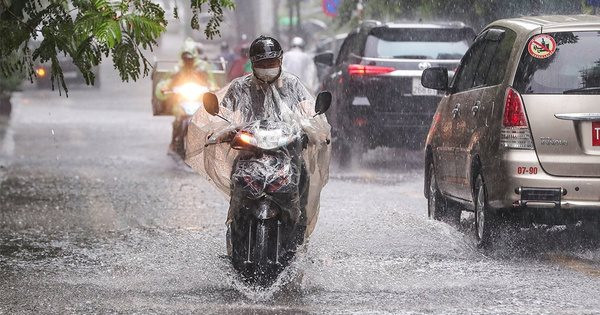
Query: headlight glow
191, 91
190, 107
41, 72
249, 139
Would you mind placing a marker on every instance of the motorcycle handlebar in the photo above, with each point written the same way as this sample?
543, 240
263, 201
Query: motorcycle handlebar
228, 137
222, 138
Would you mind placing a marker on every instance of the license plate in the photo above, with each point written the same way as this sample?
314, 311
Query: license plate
70, 75
596, 133
420, 90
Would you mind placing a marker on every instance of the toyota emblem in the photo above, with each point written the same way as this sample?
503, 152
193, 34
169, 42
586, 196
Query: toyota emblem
424, 65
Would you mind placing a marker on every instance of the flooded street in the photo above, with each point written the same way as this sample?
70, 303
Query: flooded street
96, 218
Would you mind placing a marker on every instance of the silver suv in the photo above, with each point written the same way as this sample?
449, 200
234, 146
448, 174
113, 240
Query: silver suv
517, 134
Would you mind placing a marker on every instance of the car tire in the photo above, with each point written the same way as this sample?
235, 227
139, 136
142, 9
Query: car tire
438, 207
5, 106
343, 154
486, 220
349, 152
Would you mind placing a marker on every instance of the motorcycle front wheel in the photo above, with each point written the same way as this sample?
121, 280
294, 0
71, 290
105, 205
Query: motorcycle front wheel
255, 250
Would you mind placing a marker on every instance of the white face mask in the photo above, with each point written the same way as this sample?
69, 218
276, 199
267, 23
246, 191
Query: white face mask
267, 75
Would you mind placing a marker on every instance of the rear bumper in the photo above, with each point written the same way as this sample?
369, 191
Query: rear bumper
510, 187
387, 121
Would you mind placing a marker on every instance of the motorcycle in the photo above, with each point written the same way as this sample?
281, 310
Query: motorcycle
188, 97
188, 101
269, 185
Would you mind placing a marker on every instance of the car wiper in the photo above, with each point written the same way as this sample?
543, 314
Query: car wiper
585, 90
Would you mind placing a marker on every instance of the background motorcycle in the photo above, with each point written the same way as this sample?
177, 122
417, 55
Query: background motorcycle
270, 187
188, 101
164, 69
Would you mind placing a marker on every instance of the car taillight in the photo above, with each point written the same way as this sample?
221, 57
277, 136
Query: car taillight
514, 114
515, 133
368, 70
360, 121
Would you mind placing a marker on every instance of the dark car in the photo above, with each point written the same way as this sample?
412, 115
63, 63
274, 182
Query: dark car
376, 83
71, 72
331, 44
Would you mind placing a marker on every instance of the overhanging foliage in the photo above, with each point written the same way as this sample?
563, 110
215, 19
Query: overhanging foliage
41, 31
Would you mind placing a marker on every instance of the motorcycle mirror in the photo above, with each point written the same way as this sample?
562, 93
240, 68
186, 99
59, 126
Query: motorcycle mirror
323, 102
211, 103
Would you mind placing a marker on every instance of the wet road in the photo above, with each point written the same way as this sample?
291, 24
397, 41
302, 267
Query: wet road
95, 217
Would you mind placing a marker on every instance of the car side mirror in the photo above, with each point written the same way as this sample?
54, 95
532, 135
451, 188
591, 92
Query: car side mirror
211, 103
435, 78
323, 102
325, 59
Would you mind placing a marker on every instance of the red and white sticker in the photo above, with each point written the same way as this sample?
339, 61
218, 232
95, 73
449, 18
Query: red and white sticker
542, 46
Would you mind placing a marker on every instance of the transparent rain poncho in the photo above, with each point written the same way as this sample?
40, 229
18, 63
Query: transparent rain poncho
250, 104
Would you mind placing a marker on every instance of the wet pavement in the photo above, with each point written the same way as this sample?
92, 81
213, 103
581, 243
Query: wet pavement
96, 218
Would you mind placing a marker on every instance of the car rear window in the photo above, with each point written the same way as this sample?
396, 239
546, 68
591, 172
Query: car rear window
417, 43
573, 66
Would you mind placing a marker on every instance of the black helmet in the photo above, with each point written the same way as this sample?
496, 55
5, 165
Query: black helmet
265, 47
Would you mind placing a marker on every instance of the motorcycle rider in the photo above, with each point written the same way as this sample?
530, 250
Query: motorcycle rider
191, 70
241, 65
271, 94
300, 63
266, 55
227, 54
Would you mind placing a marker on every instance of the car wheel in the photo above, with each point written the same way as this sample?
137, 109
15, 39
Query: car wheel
436, 205
486, 223
5, 106
343, 154
349, 152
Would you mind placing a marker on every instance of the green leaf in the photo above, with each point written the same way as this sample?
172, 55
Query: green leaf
101, 4
88, 30
108, 32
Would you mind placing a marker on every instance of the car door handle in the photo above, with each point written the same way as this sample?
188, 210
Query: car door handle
475, 108
456, 111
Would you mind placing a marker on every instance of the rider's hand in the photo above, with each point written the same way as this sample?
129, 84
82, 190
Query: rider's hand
221, 136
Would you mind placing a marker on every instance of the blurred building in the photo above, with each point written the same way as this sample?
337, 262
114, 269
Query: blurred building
255, 17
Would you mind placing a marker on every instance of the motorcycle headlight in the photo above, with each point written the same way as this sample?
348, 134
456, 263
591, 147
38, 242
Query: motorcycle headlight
190, 107
191, 91
243, 140
272, 139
